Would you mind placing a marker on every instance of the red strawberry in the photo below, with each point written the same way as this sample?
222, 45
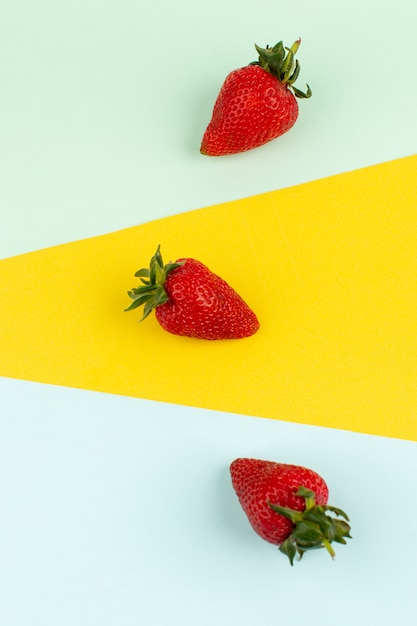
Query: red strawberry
287, 505
256, 103
190, 300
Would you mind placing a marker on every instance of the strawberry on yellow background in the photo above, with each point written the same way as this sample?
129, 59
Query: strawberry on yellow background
191, 301
330, 271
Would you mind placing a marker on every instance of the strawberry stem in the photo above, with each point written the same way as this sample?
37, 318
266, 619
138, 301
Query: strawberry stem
151, 293
313, 527
283, 66
327, 545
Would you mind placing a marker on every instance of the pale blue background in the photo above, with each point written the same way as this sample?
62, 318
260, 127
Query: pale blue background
119, 512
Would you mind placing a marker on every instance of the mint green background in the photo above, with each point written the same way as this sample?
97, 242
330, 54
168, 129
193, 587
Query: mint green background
103, 105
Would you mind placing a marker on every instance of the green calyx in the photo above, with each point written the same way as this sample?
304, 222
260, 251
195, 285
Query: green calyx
282, 65
313, 527
151, 293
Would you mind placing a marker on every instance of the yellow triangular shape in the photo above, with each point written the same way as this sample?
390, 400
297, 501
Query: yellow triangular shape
330, 267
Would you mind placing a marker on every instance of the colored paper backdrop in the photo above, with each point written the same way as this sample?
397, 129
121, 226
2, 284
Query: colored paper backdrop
329, 267
119, 510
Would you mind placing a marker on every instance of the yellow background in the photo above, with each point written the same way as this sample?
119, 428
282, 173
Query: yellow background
329, 267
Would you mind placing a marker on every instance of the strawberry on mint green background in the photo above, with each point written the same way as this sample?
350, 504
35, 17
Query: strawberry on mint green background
256, 104
287, 505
